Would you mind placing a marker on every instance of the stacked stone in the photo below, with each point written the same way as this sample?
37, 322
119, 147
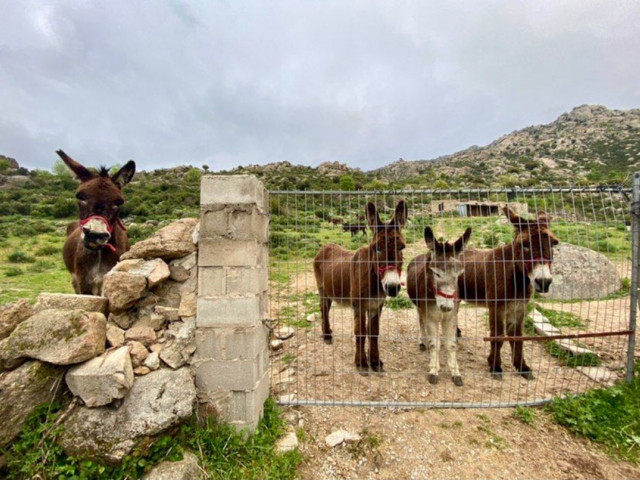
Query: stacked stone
231, 361
130, 348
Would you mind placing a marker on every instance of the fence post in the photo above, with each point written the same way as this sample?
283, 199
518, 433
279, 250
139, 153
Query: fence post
635, 272
231, 358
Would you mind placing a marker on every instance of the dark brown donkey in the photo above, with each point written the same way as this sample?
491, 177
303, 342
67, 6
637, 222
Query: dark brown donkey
503, 280
432, 285
95, 242
363, 279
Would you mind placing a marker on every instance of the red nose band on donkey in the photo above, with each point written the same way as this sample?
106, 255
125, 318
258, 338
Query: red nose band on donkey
108, 225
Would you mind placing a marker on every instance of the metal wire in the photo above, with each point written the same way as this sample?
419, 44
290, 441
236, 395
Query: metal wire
305, 370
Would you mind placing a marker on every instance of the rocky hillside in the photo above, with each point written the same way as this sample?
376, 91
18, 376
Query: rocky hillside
589, 145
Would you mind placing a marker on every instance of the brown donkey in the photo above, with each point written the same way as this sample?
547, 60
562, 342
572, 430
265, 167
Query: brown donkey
95, 242
503, 280
363, 279
432, 285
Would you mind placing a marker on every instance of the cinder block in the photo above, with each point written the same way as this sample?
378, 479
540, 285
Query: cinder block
236, 375
248, 224
214, 222
246, 280
212, 282
248, 406
216, 189
224, 252
232, 343
228, 311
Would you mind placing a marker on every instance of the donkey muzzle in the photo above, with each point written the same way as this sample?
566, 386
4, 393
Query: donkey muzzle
95, 233
542, 284
391, 282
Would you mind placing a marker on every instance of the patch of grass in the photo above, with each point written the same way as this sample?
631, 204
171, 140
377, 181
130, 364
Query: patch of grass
20, 257
401, 302
13, 272
223, 452
610, 417
562, 319
526, 415
572, 360
493, 440
48, 250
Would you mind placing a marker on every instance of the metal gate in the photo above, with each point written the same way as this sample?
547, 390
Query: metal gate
579, 336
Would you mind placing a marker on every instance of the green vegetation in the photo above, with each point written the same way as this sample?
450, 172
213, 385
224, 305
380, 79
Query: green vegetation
526, 415
222, 452
610, 417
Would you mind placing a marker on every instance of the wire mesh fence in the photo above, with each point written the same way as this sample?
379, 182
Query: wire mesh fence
586, 311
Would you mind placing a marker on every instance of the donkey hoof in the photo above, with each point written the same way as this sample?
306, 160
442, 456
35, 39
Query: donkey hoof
527, 374
328, 339
457, 380
377, 366
496, 374
433, 379
423, 347
363, 369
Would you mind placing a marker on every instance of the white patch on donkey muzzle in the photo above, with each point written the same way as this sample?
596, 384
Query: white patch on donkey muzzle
541, 277
95, 233
391, 282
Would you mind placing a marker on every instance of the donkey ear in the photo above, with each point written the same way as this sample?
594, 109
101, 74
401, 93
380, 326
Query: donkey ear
400, 216
81, 172
543, 218
124, 175
459, 244
429, 237
373, 219
515, 219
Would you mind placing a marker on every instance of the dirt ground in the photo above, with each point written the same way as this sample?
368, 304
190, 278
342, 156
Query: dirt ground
420, 441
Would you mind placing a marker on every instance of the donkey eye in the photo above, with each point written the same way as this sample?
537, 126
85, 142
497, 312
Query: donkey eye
118, 202
80, 196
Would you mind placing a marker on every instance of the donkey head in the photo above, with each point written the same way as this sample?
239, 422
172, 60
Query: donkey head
533, 248
387, 245
444, 267
99, 200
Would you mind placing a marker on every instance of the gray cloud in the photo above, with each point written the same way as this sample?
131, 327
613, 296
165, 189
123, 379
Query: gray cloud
234, 83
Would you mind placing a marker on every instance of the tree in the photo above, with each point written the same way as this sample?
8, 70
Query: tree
60, 169
347, 183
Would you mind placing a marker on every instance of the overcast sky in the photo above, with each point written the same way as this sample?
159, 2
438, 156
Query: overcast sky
227, 83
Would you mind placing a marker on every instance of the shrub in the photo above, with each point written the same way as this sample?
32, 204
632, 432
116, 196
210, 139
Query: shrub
47, 250
20, 257
13, 272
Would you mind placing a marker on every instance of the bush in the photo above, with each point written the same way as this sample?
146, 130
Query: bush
13, 272
47, 250
20, 257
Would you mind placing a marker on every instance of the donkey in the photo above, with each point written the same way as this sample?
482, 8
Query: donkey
503, 279
432, 284
354, 228
363, 279
95, 242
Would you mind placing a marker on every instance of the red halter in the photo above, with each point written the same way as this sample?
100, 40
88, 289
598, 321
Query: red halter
440, 293
386, 268
109, 226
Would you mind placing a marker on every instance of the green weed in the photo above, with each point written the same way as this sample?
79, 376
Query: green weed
526, 415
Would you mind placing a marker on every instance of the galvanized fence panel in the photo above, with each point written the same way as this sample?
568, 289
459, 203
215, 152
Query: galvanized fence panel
589, 300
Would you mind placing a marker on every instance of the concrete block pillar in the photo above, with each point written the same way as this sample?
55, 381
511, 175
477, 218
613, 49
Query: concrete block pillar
232, 358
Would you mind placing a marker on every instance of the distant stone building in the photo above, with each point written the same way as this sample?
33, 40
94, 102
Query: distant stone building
474, 208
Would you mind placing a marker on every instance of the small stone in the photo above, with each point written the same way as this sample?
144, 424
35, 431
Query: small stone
64, 301
157, 347
142, 334
276, 344
12, 314
341, 436
115, 335
188, 304
138, 352
142, 370
284, 333
123, 320
312, 317
288, 442
167, 313
152, 361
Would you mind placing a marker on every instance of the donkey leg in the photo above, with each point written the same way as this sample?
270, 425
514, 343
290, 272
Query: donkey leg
374, 333
517, 354
422, 320
325, 307
450, 344
360, 332
432, 323
496, 326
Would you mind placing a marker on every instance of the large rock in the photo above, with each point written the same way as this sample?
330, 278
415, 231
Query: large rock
61, 337
12, 314
23, 389
155, 271
158, 401
102, 379
185, 469
173, 241
64, 301
581, 273
180, 344
123, 289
